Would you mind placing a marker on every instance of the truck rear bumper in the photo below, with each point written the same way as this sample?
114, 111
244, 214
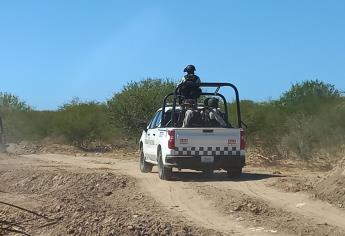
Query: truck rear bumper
194, 162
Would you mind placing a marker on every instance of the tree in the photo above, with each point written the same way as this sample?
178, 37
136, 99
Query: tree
309, 97
9, 102
83, 122
14, 112
138, 101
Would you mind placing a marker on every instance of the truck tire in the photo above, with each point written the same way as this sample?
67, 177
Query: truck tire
145, 167
164, 173
234, 172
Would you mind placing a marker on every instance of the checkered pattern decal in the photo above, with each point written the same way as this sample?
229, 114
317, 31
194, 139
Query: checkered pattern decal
208, 151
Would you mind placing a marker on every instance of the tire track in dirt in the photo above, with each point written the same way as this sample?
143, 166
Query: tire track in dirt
177, 196
180, 197
298, 203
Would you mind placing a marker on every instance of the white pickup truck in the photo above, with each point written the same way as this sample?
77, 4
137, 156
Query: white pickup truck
203, 146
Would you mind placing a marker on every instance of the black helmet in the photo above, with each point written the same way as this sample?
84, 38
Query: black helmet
213, 102
189, 69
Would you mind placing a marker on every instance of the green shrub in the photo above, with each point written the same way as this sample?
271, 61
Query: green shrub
310, 134
16, 122
307, 118
265, 123
83, 122
138, 101
10, 102
308, 97
27, 125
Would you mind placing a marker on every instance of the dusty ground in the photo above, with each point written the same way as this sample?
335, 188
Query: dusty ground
327, 186
49, 198
96, 194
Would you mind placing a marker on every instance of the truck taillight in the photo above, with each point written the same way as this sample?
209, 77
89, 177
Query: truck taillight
243, 140
171, 141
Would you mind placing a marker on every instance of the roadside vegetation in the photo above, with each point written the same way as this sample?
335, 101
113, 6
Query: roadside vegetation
305, 122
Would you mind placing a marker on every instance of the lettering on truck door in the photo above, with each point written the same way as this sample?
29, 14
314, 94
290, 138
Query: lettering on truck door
147, 141
151, 134
155, 135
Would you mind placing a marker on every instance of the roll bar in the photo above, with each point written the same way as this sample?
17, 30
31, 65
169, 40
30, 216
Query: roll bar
215, 85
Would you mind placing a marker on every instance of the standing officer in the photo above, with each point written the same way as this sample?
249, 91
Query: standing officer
189, 92
189, 84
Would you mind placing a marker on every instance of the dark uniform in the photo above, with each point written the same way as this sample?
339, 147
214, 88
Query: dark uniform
189, 92
189, 84
212, 114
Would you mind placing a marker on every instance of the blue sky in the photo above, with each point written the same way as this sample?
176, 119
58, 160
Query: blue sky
52, 51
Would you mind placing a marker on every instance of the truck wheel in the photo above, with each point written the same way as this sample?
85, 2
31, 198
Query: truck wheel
164, 173
234, 172
145, 167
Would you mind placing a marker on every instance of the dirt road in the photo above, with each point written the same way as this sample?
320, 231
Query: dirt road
190, 204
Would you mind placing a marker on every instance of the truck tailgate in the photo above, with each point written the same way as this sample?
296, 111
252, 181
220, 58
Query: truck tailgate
208, 141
